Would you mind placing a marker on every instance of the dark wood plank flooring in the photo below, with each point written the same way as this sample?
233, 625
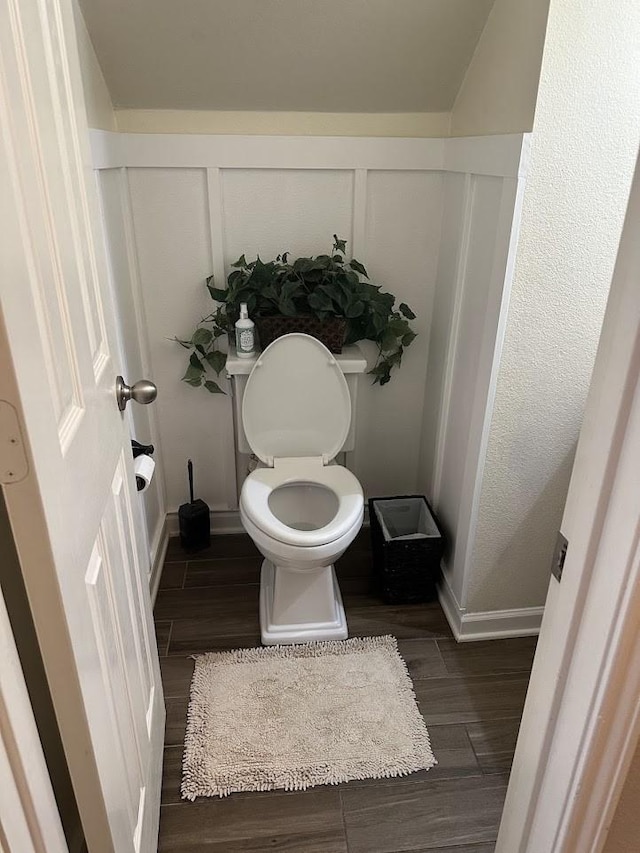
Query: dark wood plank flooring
470, 694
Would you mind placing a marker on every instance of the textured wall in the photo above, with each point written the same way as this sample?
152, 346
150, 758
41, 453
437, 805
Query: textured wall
585, 141
498, 93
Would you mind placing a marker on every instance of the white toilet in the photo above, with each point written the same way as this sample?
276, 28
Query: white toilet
301, 510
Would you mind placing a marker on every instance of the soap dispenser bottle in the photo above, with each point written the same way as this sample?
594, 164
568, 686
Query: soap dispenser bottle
245, 334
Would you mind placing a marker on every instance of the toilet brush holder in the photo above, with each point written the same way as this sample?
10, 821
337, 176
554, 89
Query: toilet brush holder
194, 520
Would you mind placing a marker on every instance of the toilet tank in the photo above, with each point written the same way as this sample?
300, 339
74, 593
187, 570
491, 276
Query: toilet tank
351, 360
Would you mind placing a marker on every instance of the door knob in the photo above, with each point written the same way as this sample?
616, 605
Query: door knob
143, 391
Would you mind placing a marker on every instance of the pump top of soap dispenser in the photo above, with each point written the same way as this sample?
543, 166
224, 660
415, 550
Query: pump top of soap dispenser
244, 311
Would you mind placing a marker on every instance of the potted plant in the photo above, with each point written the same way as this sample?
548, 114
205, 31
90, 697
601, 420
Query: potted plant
327, 296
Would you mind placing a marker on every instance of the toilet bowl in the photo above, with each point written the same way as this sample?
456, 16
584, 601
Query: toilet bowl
301, 510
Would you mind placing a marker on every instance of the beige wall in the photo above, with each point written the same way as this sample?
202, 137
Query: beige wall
97, 99
498, 93
373, 56
584, 146
624, 834
284, 123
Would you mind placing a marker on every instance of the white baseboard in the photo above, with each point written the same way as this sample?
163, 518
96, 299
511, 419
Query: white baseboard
225, 521
222, 521
490, 624
157, 554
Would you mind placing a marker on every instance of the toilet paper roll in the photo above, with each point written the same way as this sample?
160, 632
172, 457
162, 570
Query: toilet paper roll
143, 466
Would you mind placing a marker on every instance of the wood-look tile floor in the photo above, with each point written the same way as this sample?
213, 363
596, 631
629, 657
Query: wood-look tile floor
471, 696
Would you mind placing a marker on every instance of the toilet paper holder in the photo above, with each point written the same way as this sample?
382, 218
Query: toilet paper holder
139, 449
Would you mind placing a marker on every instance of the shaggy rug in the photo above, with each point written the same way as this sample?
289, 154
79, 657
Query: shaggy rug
291, 717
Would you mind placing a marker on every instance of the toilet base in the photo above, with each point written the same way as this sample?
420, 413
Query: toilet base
274, 633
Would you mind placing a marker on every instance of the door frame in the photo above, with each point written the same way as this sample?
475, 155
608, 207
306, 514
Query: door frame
576, 740
581, 719
29, 819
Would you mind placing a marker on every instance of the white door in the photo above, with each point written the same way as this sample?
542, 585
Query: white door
65, 456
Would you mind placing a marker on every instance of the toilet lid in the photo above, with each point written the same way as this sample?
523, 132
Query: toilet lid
296, 401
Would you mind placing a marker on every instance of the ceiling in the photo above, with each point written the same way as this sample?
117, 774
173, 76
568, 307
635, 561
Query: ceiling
290, 55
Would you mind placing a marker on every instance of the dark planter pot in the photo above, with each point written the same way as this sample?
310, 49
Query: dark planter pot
330, 332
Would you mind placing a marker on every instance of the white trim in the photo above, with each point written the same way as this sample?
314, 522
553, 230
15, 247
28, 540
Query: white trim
157, 553
168, 150
619, 704
215, 203
29, 819
501, 155
216, 224
222, 522
580, 722
490, 624
491, 354
359, 225
506, 155
450, 606
499, 624
452, 338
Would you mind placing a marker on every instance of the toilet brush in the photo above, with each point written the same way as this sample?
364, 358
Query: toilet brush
195, 525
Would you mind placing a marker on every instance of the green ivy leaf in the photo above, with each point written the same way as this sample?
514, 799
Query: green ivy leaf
217, 294
216, 360
195, 362
357, 266
399, 327
287, 307
241, 262
354, 309
389, 342
213, 387
193, 375
339, 245
201, 336
408, 338
406, 311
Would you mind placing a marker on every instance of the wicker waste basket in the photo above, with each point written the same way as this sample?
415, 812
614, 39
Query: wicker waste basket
407, 548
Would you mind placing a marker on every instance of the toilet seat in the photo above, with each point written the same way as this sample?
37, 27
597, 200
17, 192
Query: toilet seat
262, 482
296, 402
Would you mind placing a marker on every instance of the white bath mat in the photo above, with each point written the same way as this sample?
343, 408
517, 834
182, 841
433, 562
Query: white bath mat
292, 717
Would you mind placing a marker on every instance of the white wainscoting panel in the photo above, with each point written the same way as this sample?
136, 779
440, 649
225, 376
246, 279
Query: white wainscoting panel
173, 239
442, 334
471, 310
270, 211
480, 225
433, 221
401, 241
132, 338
